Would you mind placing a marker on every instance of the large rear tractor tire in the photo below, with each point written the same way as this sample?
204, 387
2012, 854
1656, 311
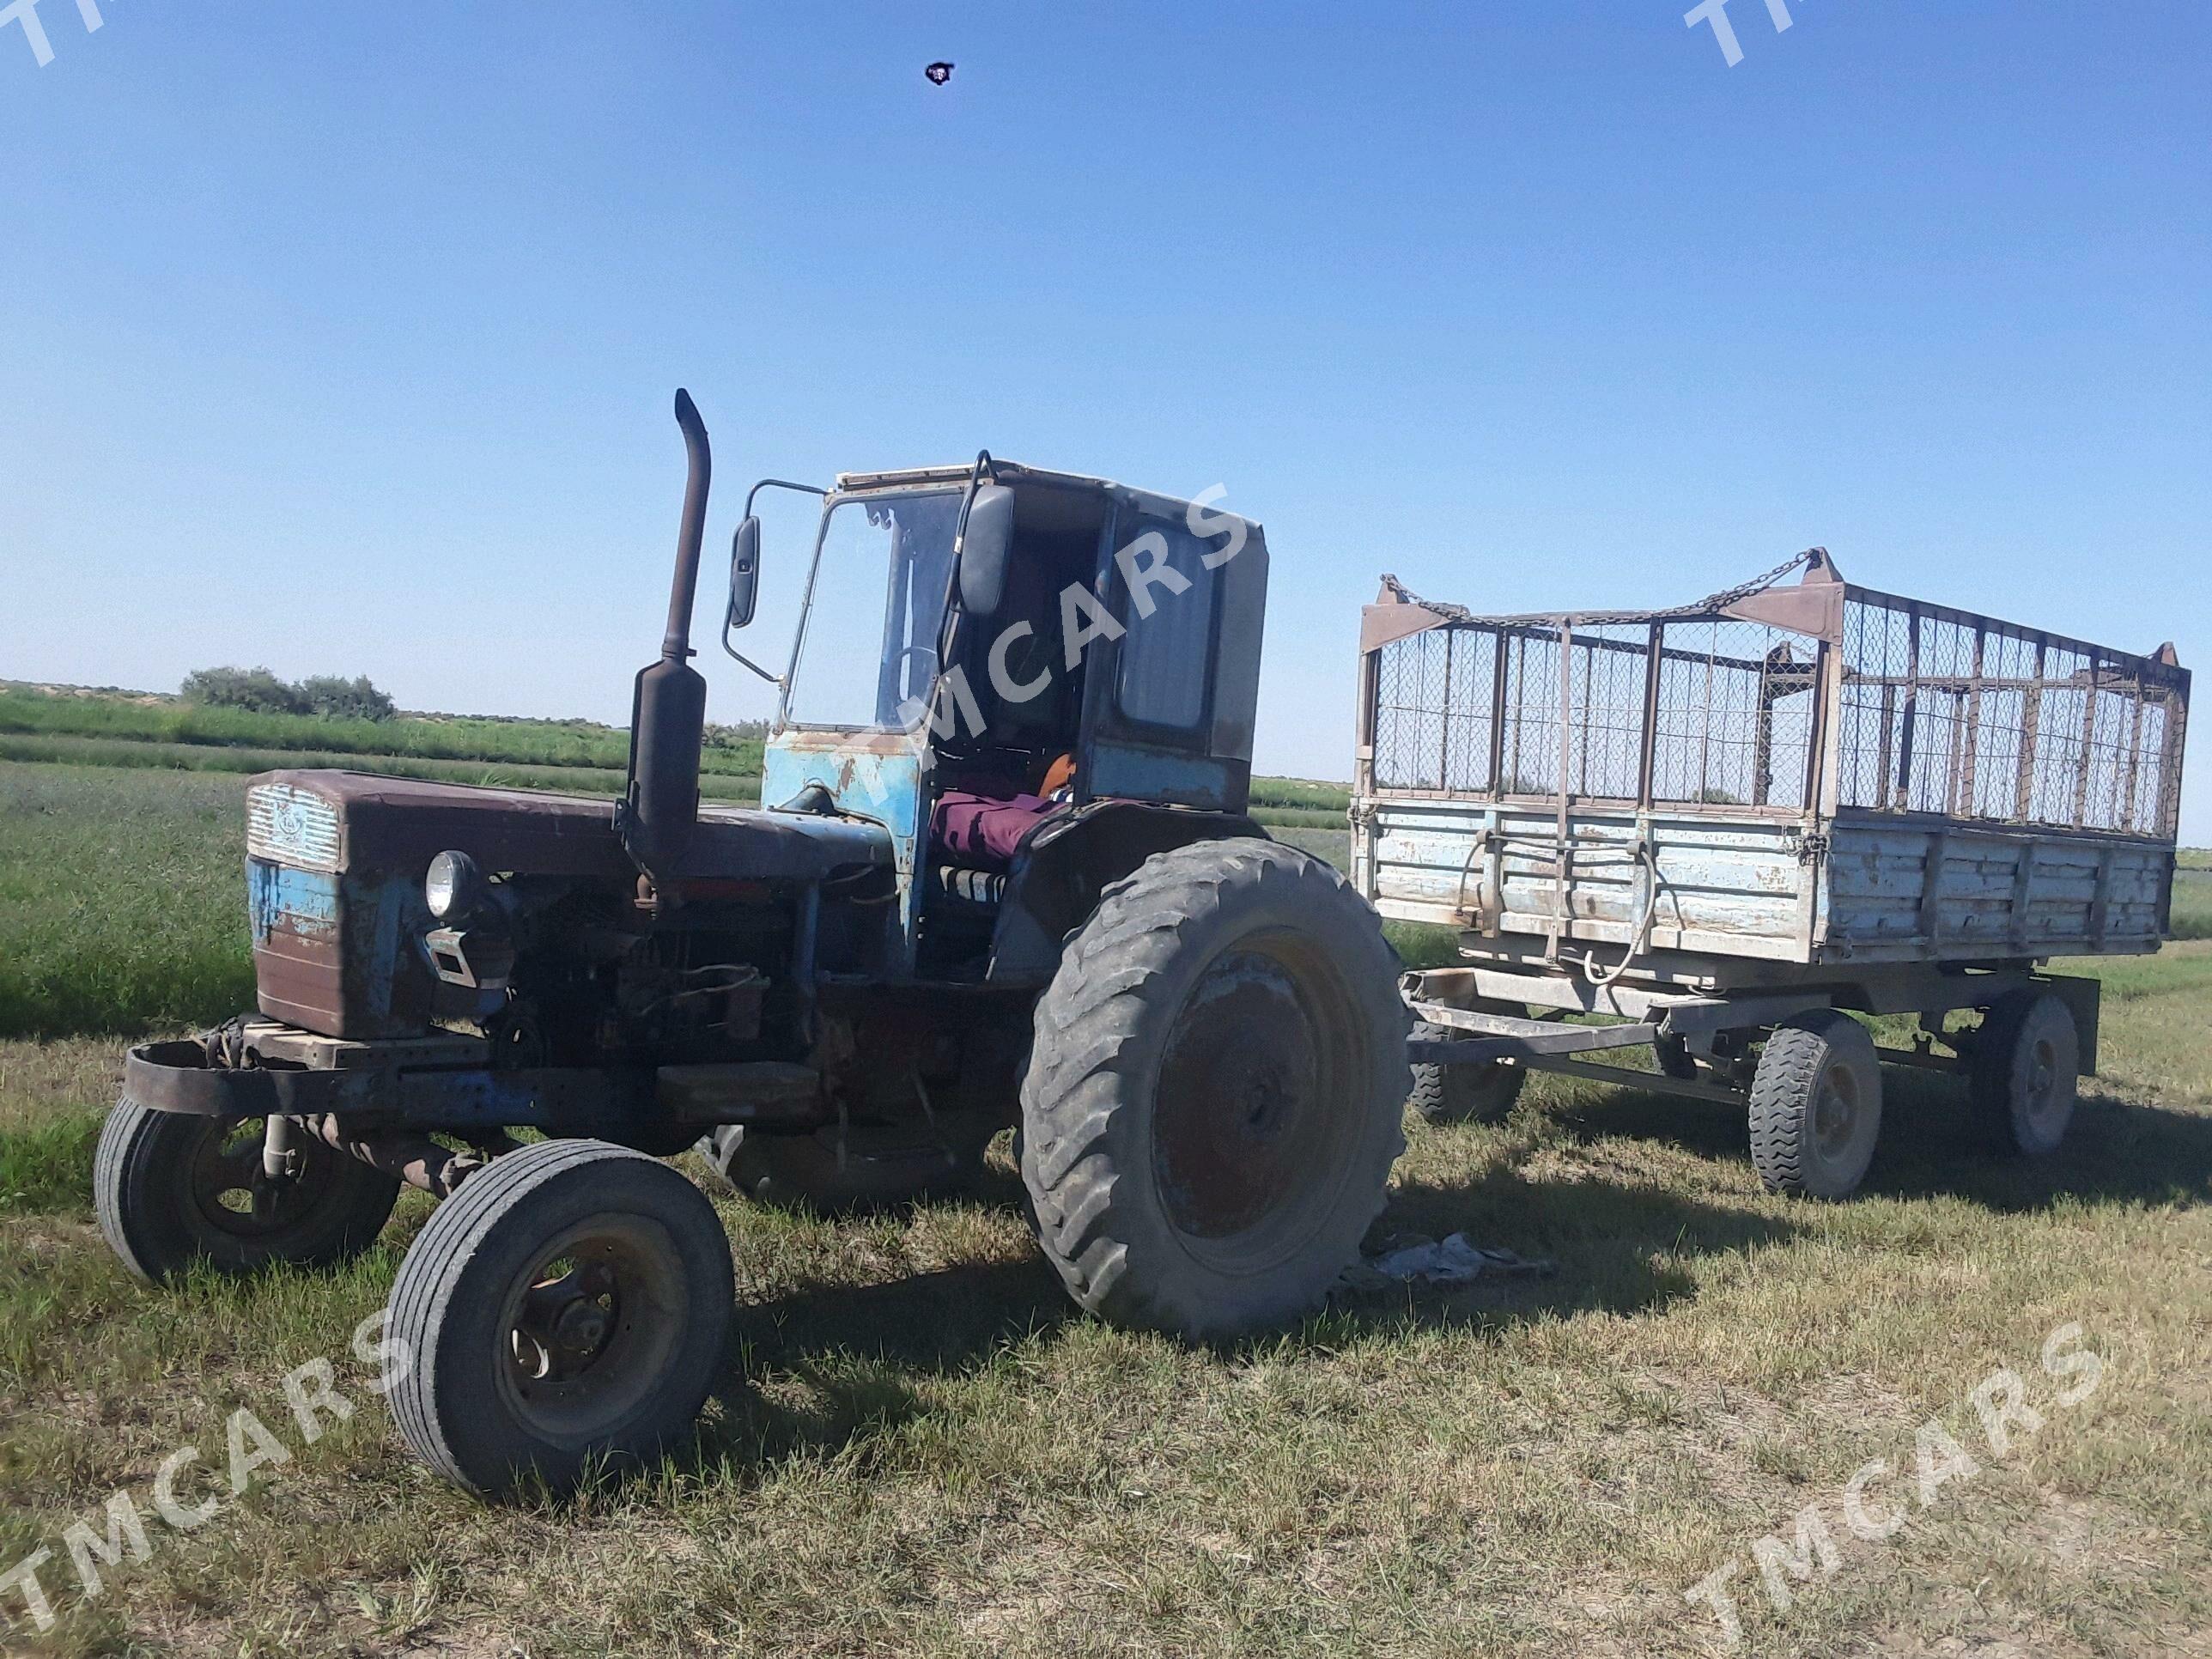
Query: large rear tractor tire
569, 1307
1215, 1091
2023, 1075
172, 1191
1816, 1106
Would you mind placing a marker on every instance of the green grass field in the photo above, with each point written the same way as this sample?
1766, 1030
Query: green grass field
925, 1450
520, 743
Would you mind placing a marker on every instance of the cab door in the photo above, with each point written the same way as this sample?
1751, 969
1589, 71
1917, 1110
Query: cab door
1171, 688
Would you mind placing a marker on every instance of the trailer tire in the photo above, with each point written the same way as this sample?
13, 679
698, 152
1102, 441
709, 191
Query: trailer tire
1215, 1094
2026, 1066
509, 1372
1816, 1106
1462, 1094
170, 1190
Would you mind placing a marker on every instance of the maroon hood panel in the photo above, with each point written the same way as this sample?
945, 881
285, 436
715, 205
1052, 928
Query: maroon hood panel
402, 823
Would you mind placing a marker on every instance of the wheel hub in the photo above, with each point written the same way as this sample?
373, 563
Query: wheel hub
1238, 1097
2042, 1079
566, 1322
1835, 1112
232, 1193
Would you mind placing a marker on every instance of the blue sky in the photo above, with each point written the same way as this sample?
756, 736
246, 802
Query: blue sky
341, 337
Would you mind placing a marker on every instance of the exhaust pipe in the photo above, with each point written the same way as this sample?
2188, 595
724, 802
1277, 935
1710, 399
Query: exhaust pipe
668, 706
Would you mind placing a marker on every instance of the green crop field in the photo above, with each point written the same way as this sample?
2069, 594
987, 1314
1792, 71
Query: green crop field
117, 729
921, 1448
168, 720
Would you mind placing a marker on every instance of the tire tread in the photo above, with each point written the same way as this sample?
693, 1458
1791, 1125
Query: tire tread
1091, 1036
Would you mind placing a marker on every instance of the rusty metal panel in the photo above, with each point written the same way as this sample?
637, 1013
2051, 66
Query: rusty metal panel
329, 951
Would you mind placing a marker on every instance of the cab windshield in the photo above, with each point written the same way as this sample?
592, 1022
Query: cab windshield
867, 642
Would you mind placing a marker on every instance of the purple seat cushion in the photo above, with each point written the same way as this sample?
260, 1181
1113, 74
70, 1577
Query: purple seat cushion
980, 833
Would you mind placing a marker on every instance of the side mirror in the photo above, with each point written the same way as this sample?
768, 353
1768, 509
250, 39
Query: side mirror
984, 547
745, 572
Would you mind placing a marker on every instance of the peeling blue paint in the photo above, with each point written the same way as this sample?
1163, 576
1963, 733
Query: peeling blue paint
301, 902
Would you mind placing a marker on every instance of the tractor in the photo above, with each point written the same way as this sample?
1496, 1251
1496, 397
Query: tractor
1003, 874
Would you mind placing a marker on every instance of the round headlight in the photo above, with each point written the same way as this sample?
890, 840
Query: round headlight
454, 886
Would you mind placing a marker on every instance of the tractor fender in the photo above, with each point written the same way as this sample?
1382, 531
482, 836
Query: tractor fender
1058, 876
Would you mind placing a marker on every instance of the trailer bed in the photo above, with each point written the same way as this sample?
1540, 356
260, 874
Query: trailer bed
1776, 785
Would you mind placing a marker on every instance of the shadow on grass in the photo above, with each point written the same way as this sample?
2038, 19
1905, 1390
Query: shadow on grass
1934, 1146
859, 1353
863, 1356
1615, 1247
2116, 1153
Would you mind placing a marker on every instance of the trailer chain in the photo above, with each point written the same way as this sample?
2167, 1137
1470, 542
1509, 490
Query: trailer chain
1711, 603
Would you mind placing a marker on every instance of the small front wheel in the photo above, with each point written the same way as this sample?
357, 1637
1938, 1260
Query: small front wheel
569, 1304
172, 1191
1816, 1106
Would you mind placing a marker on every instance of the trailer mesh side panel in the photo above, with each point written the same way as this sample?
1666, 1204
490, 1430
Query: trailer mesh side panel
1947, 713
1732, 723
1937, 712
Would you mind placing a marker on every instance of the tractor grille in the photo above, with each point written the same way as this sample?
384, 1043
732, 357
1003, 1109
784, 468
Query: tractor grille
287, 825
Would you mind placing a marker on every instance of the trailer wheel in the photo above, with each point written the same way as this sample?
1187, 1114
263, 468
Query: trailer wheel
172, 1190
1816, 1106
2026, 1061
1215, 1094
569, 1305
1479, 1093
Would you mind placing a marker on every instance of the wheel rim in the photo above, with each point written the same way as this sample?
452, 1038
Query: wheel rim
1836, 1109
1254, 1119
2040, 1095
227, 1192
588, 1330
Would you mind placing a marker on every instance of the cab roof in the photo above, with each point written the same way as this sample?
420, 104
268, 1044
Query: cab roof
1014, 472
1007, 471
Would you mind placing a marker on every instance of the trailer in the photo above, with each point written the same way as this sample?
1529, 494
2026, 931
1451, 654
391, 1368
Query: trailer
1720, 830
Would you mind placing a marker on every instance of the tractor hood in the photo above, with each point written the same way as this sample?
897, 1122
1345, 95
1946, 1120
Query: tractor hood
355, 821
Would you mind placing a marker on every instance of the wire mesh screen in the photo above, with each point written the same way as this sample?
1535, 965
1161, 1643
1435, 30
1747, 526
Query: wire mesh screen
1733, 726
1960, 715
1435, 697
1605, 710
1938, 712
1734, 714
